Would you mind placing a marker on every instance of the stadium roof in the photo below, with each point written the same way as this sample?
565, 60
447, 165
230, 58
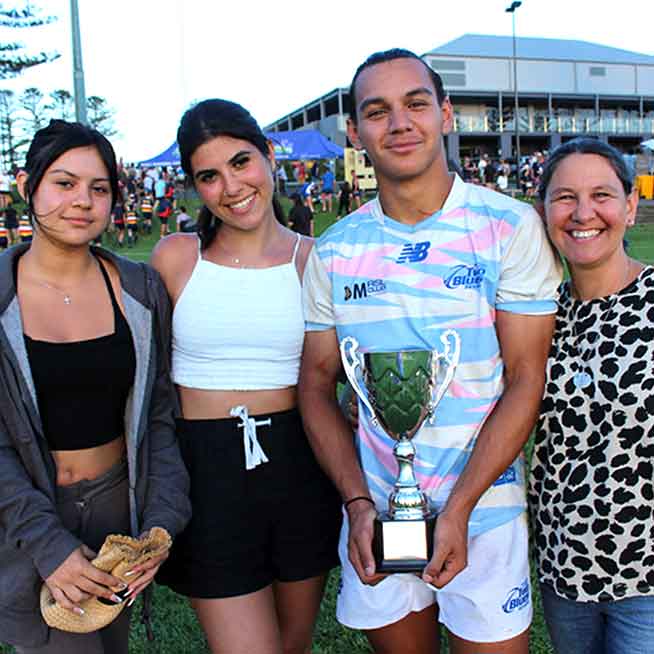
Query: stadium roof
481, 45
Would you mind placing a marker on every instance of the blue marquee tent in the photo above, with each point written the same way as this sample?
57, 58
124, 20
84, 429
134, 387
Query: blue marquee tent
303, 144
169, 157
300, 144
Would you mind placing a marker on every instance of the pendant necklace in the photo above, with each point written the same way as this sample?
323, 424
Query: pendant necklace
67, 299
583, 378
235, 260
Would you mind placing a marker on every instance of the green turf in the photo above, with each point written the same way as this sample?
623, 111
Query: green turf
175, 626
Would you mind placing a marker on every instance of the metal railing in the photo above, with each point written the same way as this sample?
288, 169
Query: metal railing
546, 124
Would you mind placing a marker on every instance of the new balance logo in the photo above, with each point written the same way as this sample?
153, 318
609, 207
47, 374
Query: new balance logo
414, 252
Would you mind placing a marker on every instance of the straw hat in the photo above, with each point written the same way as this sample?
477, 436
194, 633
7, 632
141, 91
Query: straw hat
117, 556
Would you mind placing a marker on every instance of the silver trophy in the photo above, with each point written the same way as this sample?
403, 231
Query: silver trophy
401, 390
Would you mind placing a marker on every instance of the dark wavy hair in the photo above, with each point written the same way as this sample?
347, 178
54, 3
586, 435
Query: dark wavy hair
204, 122
55, 140
586, 145
391, 55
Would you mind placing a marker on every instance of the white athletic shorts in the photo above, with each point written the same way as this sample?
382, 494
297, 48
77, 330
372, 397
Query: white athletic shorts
489, 601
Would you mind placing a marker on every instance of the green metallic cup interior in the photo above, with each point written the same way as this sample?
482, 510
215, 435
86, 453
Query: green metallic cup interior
400, 390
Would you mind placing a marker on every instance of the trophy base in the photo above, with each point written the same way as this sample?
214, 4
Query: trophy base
403, 545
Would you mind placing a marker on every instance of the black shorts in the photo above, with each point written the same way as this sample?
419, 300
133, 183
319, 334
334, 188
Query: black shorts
11, 223
277, 522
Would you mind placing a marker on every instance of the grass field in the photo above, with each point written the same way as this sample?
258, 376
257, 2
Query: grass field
175, 626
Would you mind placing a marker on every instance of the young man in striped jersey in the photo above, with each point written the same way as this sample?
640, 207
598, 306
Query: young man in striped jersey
432, 253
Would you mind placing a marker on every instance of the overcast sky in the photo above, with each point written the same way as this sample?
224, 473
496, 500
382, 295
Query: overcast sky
151, 58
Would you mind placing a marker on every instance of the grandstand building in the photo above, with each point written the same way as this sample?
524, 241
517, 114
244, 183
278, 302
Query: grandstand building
565, 89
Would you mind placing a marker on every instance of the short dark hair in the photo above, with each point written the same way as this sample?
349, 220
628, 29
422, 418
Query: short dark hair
204, 122
60, 136
586, 145
391, 55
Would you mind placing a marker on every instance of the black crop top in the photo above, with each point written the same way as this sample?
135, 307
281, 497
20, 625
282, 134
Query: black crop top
82, 386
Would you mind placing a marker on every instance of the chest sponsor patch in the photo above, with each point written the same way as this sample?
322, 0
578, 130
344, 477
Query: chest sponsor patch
463, 276
363, 289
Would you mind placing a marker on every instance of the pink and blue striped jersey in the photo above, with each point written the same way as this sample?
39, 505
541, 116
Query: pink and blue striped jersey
399, 287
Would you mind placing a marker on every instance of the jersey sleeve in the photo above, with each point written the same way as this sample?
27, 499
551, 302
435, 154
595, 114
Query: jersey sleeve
317, 298
531, 271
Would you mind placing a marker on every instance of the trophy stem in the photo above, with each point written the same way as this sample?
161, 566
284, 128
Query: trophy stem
407, 501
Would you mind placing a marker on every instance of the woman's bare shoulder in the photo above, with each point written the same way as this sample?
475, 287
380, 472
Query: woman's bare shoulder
174, 250
174, 257
306, 243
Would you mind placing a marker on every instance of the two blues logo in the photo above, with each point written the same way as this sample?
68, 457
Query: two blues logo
518, 598
509, 476
414, 252
465, 276
363, 289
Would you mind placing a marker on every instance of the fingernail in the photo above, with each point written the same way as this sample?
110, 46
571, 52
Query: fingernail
131, 601
129, 574
115, 598
369, 571
78, 610
427, 578
128, 593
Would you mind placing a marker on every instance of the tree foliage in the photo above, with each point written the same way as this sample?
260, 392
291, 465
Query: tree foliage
12, 140
34, 109
22, 115
14, 55
100, 115
62, 105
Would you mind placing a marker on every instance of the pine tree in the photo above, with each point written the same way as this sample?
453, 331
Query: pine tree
62, 104
100, 115
14, 56
12, 143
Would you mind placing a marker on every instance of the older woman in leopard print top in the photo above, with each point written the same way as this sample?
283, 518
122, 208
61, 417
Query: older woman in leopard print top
591, 490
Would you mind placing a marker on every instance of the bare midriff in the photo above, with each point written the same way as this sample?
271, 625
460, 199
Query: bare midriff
91, 463
199, 404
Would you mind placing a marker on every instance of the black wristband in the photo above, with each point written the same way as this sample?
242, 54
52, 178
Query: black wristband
365, 498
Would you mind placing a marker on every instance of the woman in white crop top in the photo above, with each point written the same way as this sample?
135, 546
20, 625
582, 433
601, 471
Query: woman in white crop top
265, 524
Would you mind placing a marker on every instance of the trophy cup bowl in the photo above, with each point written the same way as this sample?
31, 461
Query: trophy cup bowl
401, 390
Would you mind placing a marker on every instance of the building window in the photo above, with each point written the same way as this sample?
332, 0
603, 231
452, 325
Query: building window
597, 71
453, 79
447, 64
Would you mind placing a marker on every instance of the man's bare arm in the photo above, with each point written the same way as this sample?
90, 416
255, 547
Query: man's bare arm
328, 432
524, 343
332, 442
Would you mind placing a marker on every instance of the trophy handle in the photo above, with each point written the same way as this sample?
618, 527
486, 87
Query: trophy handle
450, 355
349, 346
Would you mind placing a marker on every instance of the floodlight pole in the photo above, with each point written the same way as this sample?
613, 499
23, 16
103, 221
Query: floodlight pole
78, 71
516, 118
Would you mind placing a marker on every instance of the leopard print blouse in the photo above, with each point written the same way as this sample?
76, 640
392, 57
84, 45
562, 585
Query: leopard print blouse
591, 491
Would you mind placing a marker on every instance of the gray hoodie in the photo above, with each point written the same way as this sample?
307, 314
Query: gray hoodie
33, 542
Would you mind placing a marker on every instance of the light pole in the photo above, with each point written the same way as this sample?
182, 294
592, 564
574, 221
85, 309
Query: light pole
78, 71
516, 117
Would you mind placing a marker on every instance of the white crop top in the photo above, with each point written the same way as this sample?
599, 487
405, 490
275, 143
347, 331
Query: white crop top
238, 328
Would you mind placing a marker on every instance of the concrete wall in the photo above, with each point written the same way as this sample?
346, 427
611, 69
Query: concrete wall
541, 76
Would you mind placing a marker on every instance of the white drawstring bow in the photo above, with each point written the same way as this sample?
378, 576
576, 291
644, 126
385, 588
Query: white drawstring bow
254, 455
